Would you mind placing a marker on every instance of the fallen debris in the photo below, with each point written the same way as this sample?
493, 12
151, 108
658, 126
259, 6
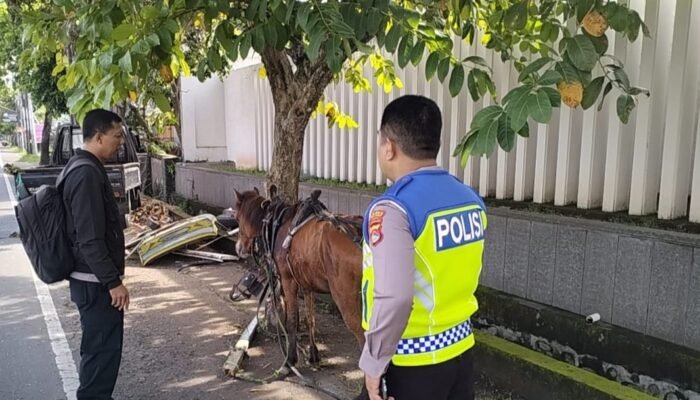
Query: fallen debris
152, 213
176, 236
207, 255
235, 357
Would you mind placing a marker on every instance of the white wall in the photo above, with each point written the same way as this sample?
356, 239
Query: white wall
203, 122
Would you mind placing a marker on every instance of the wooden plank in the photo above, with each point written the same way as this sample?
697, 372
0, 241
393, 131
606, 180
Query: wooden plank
235, 358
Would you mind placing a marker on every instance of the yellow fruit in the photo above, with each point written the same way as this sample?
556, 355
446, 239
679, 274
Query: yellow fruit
166, 73
133, 96
595, 23
571, 93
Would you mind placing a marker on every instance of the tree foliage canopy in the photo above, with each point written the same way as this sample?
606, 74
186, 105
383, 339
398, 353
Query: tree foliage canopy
124, 48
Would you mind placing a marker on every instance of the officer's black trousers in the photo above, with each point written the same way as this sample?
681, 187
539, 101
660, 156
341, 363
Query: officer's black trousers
450, 380
101, 345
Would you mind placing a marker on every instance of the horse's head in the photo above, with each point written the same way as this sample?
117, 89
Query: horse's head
249, 211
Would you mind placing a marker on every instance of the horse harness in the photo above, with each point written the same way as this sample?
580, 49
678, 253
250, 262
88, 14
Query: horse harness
309, 209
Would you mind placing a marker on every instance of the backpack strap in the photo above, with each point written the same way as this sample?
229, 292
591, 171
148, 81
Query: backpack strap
79, 162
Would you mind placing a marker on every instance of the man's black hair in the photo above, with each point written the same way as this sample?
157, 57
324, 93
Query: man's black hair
99, 120
415, 124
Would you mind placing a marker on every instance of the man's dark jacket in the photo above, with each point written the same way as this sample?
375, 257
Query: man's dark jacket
94, 223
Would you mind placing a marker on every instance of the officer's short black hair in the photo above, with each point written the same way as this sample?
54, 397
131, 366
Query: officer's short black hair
99, 121
415, 124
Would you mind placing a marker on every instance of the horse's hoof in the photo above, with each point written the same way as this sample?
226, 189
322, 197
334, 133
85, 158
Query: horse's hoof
314, 357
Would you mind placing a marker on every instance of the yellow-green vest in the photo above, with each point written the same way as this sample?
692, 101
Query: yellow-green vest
448, 222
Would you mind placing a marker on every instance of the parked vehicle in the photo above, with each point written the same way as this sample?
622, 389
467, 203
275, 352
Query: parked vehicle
124, 170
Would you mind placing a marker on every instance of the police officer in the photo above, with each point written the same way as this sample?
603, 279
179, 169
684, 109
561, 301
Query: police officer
423, 244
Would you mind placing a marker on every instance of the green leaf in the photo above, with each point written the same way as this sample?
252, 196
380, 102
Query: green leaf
230, 47
315, 46
123, 32
553, 95
516, 16
215, 59
515, 93
645, 30
619, 19
443, 69
150, 13
472, 86
477, 61
637, 90
622, 78
517, 109
153, 40
171, 25
374, 20
105, 59
125, 62
525, 130
165, 39
506, 135
258, 40
550, 77
582, 53
457, 80
392, 38
591, 92
245, 46
607, 90
486, 138
539, 107
634, 23
567, 71
404, 51
484, 116
270, 34
625, 105
601, 44
252, 10
161, 101
582, 8
467, 149
431, 65
533, 67
417, 53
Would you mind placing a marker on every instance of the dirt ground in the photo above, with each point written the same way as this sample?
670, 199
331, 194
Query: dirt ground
181, 325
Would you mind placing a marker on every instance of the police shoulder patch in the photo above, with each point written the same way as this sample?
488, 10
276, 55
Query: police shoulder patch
376, 221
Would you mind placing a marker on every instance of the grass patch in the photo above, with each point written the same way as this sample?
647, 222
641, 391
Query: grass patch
335, 183
29, 158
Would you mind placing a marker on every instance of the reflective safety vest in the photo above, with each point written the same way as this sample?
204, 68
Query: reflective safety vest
448, 221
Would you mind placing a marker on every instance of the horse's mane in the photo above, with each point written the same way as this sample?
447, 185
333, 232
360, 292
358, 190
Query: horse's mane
252, 206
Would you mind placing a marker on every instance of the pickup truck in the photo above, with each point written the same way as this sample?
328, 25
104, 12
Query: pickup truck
124, 170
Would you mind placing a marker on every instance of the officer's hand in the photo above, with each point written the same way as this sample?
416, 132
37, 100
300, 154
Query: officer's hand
373, 388
120, 297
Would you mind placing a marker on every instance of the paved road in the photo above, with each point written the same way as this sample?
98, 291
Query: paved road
28, 367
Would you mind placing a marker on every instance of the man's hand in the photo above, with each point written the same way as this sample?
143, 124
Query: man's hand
120, 297
373, 388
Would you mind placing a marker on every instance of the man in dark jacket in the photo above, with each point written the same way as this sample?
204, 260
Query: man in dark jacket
96, 229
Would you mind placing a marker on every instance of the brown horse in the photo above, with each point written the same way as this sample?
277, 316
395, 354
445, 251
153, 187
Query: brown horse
320, 259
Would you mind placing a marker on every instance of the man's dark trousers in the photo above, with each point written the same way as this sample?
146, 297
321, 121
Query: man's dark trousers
101, 345
450, 380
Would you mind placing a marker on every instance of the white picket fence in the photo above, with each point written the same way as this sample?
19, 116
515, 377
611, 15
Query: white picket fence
586, 158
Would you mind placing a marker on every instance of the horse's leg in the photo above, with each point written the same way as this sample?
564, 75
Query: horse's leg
314, 358
290, 289
347, 297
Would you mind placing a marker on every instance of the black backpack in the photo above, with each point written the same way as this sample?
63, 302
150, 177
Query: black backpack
42, 223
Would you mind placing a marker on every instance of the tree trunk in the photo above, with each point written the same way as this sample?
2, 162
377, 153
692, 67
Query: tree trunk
295, 95
46, 140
